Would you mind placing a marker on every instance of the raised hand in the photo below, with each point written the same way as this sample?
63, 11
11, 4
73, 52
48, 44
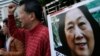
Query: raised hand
11, 9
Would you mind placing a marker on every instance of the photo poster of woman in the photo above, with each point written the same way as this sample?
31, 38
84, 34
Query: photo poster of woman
73, 31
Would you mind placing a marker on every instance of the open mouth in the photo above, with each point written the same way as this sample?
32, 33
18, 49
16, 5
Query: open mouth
81, 45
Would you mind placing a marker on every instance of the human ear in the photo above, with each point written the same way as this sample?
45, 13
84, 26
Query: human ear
32, 16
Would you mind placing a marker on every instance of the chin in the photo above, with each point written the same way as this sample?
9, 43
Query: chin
84, 53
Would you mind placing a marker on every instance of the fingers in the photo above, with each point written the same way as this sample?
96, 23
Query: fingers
1, 52
12, 5
11, 8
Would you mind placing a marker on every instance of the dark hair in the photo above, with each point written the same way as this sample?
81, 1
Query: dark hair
95, 27
0, 27
5, 21
32, 6
64, 49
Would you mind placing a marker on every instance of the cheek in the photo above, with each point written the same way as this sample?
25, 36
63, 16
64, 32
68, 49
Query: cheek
22, 17
89, 33
70, 39
90, 38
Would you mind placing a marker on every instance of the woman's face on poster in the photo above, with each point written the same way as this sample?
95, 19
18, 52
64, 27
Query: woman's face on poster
79, 34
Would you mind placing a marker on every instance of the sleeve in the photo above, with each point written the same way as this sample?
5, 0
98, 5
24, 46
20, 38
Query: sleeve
11, 24
19, 47
14, 31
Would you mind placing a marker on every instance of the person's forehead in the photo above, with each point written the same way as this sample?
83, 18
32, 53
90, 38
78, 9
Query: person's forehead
73, 14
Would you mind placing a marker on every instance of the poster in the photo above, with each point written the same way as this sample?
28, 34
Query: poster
74, 32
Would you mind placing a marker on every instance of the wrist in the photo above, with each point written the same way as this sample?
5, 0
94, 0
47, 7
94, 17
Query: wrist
11, 13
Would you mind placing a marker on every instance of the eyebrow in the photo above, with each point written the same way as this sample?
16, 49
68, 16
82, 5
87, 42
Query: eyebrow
79, 18
70, 23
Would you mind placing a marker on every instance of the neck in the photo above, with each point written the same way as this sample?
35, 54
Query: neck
32, 24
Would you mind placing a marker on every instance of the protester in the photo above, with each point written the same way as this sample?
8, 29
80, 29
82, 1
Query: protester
33, 33
13, 47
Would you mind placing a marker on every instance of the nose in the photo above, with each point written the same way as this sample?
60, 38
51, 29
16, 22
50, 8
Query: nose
78, 33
